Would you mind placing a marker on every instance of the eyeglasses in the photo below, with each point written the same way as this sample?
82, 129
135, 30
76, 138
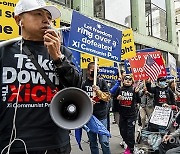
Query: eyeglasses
128, 78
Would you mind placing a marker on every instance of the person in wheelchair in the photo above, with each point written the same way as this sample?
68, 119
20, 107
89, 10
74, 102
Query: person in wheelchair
171, 142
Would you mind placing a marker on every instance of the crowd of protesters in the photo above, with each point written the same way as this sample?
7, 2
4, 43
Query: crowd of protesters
37, 133
134, 103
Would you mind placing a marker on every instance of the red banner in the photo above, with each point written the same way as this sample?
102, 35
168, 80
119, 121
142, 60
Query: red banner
137, 64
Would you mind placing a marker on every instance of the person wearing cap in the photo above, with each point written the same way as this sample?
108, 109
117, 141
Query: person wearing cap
163, 95
128, 97
115, 102
25, 122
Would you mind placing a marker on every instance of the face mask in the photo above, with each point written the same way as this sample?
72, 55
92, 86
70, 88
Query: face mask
163, 84
92, 74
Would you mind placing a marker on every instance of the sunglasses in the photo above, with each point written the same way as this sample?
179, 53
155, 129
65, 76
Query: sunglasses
128, 78
162, 80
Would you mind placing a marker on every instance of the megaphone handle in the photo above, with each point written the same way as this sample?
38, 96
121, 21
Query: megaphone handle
95, 73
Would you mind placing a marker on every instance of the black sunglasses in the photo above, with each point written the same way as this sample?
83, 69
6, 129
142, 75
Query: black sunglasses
128, 78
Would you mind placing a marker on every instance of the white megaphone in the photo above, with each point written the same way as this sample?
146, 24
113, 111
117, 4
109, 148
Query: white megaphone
71, 108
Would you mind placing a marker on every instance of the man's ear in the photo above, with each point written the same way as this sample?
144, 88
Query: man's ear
18, 20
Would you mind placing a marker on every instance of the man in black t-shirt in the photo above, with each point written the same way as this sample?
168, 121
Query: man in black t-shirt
100, 108
25, 97
163, 95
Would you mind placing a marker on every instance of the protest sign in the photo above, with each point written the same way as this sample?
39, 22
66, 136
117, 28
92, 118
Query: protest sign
160, 116
87, 58
128, 49
137, 64
8, 27
90, 36
108, 73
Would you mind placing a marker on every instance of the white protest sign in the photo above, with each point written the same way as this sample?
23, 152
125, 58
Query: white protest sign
160, 116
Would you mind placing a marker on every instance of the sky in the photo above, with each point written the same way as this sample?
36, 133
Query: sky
160, 3
118, 10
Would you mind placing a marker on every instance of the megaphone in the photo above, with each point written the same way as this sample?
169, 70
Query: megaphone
71, 108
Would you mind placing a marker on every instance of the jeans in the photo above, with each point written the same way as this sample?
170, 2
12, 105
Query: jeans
127, 130
103, 140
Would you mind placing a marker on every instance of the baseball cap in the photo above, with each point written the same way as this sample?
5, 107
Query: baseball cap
30, 5
161, 79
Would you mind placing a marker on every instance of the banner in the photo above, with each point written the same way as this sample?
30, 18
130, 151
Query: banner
172, 65
137, 64
128, 49
95, 38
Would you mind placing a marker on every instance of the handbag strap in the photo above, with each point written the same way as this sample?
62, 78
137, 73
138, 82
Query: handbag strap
39, 68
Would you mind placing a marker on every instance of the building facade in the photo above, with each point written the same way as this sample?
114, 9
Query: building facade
153, 25
177, 18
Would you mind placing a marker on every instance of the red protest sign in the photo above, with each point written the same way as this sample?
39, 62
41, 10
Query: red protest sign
137, 64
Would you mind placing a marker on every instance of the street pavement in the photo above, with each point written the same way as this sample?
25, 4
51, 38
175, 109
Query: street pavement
114, 141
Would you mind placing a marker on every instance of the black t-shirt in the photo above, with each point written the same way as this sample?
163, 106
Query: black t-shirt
127, 106
100, 108
161, 95
33, 122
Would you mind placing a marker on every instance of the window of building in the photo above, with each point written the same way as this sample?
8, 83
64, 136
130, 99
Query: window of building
117, 11
67, 3
156, 18
140, 46
99, 9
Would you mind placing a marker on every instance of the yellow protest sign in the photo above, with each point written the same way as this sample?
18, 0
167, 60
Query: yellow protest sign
87, 58
8, 26
128, 48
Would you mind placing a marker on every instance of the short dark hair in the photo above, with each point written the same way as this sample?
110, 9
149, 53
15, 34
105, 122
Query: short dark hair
90, 65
